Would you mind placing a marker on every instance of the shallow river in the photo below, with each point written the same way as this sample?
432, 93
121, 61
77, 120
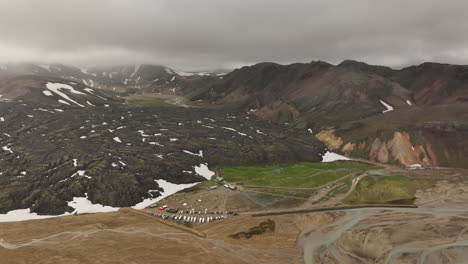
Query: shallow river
318, 241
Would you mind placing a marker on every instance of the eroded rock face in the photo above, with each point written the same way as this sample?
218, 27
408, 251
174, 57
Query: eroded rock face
379, 151
398, 149
280, 111
328, 137
348, 148
402, 150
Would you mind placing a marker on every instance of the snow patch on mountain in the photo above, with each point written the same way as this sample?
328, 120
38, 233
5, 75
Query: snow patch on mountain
47, 93
331, 156
389, 107
83, 205
22, 215
204, 171
137, 67
168, 189
199, 154
56, 87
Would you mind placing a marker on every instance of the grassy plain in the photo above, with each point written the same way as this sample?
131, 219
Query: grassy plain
299, 175
387, 189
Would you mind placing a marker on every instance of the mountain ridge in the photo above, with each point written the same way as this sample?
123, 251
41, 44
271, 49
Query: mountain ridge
345, 101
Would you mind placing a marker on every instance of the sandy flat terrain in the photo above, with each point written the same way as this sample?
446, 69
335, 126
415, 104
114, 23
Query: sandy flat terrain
128, 237
436, 232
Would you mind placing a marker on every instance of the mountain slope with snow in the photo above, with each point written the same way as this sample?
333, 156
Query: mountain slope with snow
52, 91
116, 156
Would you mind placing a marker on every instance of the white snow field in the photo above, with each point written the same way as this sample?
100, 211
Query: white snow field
331, 156
169, 189
203, 170
84, 206
21, 215
55, 87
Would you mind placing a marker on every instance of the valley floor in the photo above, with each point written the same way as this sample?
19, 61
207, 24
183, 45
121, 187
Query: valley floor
434, 232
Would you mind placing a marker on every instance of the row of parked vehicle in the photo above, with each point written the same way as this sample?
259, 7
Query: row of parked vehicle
192, 211
189, 218
205, 212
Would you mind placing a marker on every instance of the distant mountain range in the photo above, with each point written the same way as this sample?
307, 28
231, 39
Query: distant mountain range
416, 115
121, 78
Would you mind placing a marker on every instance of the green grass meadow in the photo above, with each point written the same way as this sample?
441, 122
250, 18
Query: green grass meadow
395, 189
300, 175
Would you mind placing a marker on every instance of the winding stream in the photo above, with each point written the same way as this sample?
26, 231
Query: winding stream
320, 241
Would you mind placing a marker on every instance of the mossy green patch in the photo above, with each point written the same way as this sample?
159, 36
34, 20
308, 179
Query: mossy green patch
304, 175
263, 227
285, 116
96, 167
387, 189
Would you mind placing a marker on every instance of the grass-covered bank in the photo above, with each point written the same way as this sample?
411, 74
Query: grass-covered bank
299, 175
395, 189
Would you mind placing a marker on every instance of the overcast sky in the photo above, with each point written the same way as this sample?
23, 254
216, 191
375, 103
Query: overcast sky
204, 34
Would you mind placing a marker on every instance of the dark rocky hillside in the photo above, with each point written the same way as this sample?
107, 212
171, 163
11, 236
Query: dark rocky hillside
52, 152
362, 66
358, 109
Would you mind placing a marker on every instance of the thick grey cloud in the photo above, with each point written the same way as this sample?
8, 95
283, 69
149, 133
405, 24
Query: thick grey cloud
191, 34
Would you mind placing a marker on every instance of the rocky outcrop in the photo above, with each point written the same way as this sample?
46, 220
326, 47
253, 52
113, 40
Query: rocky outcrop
379, 151
404, 152
280, 111
348, 148
329, 138
399, 149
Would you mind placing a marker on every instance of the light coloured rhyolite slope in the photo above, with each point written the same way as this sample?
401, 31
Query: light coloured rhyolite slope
398, 149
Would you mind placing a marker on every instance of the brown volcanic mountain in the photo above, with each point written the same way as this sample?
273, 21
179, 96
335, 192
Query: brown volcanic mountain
346, 107
282, 93
431, 83
434, 83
